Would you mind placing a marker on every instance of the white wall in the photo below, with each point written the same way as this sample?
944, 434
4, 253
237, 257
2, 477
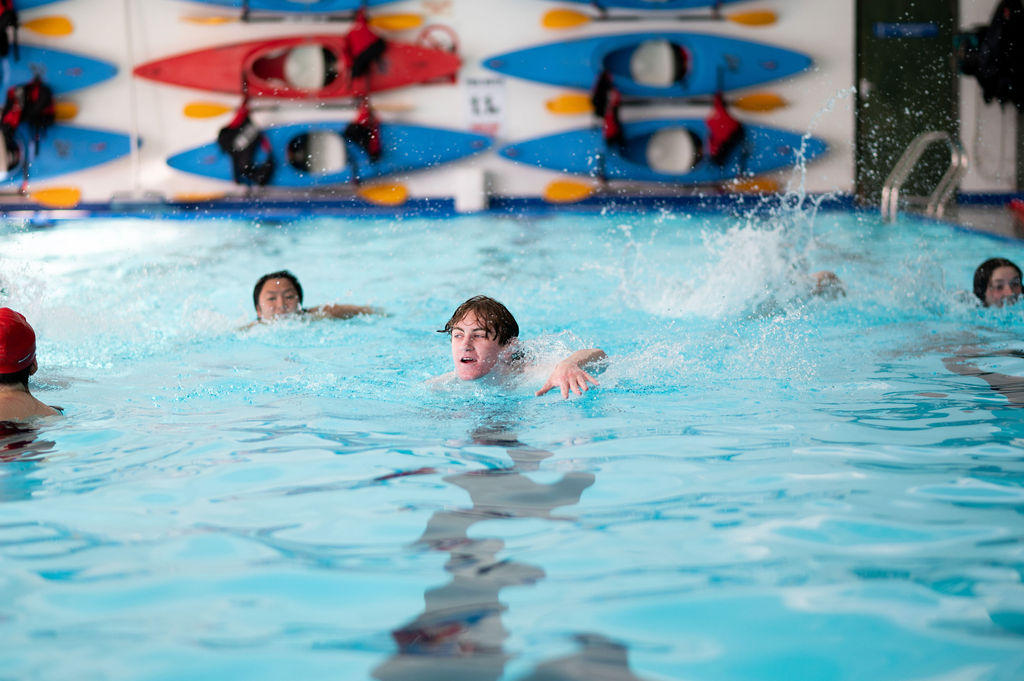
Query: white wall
133, 31
988, 131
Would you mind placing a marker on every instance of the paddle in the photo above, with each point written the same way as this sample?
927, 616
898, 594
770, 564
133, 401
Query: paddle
578, 103
198, 197
567, 191
51, 26
57, 197
380, 194
753, 185
384, 22
213, 109
384, 194
65, 111
569, 18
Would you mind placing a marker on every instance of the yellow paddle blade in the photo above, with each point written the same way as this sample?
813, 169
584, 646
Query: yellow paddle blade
384, 22
207, 20
197, 197
754, 185
385, 194
567, 191
52, 26
205, 109
65, 111
759, 102
563, 18
755, 18
58, 197
570, 104
396, 22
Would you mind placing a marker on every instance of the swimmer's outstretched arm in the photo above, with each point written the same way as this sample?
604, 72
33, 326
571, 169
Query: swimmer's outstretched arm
569, 374
341, 311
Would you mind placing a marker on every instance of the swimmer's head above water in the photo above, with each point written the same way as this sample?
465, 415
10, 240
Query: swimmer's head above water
997, 282
17, 348
277, 294
482, 332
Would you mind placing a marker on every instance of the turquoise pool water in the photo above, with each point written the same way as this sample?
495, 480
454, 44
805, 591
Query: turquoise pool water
767, 485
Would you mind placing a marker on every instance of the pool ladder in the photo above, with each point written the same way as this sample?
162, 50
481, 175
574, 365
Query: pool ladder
934, 204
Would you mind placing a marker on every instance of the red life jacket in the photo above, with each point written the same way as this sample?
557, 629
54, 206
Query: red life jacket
12, 109
364, 130
1017, 208
8, 23
362, 46
724, 131
599, 94
241, 139
612, 131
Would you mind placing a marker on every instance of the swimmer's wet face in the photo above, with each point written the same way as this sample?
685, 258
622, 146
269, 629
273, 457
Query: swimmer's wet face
278, 297
1004, 287
475, 349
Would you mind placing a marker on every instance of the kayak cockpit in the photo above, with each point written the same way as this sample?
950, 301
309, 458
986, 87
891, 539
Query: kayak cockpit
673, 150
657, 63
310, 66
318, 152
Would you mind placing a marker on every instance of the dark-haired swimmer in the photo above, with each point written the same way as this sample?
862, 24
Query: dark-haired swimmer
279, 294
484, 339
997, 282
827, 285
17, 363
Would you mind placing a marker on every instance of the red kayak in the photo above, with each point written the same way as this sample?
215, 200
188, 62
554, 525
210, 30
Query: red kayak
302, 67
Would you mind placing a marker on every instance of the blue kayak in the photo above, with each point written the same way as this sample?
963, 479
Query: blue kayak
65, 149
62, 71
670, 150
649, 4
653, 64
316, 154
29, 4
299, 6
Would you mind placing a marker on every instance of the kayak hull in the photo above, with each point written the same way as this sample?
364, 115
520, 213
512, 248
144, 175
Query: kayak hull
297, 6
62, 71
405, 148
583, 152
717, 63
652, 5
30, 4
221, 69
65, 149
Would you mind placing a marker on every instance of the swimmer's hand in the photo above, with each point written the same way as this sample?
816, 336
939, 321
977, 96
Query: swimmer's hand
569, 374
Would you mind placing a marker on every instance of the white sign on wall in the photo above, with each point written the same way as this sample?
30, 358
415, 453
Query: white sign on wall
485, 103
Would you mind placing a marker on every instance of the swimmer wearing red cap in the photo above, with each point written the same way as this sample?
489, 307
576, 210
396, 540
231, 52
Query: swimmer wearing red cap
17, 363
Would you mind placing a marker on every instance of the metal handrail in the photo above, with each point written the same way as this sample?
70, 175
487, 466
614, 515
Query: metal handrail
937, 200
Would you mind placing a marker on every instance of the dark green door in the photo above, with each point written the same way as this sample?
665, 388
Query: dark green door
906, 85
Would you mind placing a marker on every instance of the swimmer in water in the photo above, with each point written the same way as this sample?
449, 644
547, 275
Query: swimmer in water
279, 294
827, 285
997, 282
484, 340
17, 363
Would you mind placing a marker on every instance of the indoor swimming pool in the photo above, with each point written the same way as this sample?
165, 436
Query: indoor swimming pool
767, 484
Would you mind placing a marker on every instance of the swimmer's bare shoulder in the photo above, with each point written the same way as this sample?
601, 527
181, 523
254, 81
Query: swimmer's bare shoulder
23, 407
443, 379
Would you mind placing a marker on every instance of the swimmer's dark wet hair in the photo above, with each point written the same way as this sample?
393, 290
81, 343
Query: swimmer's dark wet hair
496, 318
283, 274
983, 275
17, 378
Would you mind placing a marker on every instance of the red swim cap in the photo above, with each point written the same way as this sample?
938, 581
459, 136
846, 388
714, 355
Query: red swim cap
17, 342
